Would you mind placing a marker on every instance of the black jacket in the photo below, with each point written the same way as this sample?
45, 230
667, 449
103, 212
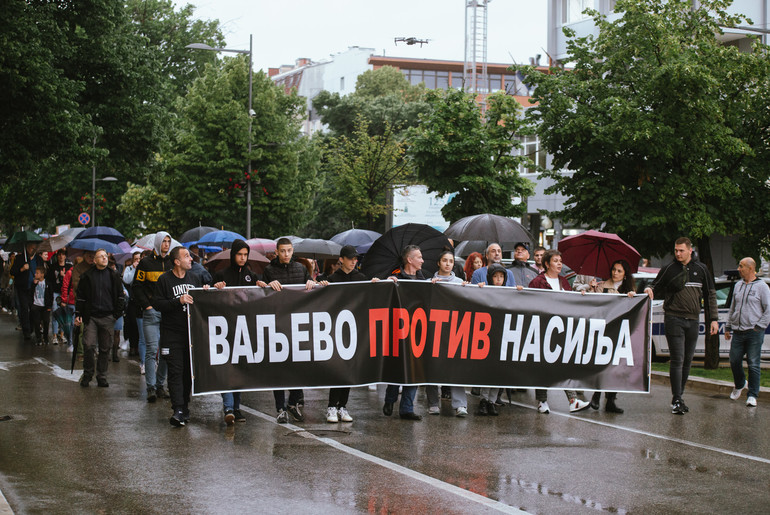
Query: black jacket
147, 274
292, 272
682, 288
23, 280
85, 295
235, 275
56, 274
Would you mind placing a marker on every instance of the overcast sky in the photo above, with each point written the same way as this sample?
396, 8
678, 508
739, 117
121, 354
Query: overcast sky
285, 30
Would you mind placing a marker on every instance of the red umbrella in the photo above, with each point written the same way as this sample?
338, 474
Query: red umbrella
257, 262
593, 252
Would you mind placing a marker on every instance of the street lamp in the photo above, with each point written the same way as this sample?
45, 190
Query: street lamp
93, 188
203, 46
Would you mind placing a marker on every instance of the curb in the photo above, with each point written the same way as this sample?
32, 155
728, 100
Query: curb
701, 384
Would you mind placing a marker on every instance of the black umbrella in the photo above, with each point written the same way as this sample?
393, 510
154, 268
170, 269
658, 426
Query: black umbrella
316, 249
74, 342
384, 256
196, 233
487, 227
466, 248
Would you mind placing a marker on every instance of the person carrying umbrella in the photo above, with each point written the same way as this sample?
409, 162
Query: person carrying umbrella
23, 272
100, 301
237, 274
68, 288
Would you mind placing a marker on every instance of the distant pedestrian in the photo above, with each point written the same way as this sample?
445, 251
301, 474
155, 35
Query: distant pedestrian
23, 272
100, 301
684, 284
40, 310
746, 323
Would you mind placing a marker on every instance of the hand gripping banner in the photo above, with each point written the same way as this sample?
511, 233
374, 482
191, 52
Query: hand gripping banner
416, 332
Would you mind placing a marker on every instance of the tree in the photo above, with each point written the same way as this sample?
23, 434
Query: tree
456, 151
142, 211
205, 166
664, 127
362, 169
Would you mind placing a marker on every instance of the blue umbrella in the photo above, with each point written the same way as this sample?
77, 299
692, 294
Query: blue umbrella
220, 238
94, 244
103, 233
361, 239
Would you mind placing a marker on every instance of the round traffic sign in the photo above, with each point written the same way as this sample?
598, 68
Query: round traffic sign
84, 218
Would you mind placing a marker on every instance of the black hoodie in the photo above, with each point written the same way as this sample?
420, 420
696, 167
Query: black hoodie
496, 267
235, 275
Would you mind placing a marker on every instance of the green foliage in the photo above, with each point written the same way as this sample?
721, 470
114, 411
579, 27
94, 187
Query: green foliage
383, 97
455, 150
141, 211
362, 168
664, 127
206, 166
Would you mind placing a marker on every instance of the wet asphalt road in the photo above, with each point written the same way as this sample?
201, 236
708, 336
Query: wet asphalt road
67, 449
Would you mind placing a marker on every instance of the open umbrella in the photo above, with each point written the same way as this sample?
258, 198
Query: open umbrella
357, 238
261, 245
592, 253
257, 261
18, 241
60, 241
488, 227
316, 249
466, 248
196, 233
103, 233
384, 256
147, 242
220, 238
94, 244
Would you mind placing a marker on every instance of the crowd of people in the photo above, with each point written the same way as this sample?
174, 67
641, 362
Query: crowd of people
146, 299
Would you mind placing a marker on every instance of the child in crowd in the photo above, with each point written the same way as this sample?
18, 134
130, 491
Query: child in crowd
40, 311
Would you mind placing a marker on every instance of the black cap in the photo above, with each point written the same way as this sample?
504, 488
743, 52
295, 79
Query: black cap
348, 251
522, 244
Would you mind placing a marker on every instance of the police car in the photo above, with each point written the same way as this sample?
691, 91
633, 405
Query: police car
724, 288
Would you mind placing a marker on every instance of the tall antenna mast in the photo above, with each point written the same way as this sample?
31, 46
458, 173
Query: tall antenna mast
475, 70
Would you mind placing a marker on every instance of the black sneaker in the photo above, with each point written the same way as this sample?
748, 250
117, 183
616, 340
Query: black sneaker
229, 417
151, 396
296, 413
84, 381
101, 382
186, 414
239, 416
678, 408
177, 419
162, 393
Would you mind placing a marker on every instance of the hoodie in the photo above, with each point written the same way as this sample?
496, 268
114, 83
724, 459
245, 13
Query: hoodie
149, 271
492, 269
235, 275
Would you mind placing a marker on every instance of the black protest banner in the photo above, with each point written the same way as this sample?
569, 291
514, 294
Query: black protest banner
415, 332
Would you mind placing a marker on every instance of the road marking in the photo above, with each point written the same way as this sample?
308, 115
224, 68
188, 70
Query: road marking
5, 508
59, 371
653, 435
447, 487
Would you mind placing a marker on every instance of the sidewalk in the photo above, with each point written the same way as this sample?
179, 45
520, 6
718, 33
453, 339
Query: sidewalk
702, 384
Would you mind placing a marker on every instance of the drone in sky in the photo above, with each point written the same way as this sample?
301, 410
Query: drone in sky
411, 41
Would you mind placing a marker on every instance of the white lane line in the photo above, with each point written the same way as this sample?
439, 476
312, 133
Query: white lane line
58, 371
431, 481
5, 508
652, 435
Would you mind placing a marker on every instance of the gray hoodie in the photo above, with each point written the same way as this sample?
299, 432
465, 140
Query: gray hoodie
750, 309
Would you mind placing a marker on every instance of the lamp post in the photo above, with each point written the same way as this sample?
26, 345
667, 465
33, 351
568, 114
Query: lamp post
93, 188
203, 46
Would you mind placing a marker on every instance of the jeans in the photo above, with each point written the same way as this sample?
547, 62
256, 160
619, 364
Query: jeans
142, 344
407, 397
681, 335
155, 369
749, 344
231, 400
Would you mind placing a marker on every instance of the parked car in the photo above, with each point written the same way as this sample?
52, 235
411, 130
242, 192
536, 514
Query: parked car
724, 288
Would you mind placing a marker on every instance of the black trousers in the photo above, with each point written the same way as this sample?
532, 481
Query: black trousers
24, 298
39, 318
338, 397
177, 356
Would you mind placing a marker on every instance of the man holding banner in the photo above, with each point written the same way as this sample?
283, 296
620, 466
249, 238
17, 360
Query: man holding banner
284, 270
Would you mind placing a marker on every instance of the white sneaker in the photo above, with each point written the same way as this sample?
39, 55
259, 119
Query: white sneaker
542, 407
331, 415
141, 368
343, 415
434, 410
751, 401
461, 412
737, 391
578, 405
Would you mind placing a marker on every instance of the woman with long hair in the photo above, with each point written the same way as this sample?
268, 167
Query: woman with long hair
473, 263
620, 281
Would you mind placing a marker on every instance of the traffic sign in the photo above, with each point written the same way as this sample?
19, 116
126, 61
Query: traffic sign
84, 218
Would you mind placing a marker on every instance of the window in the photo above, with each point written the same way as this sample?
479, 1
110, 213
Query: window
531, 149
572, 10
495, 82
415, 77
442, 80
457, 80
429, 77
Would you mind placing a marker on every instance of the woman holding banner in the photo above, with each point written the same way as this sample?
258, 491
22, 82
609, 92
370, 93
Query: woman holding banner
620, 281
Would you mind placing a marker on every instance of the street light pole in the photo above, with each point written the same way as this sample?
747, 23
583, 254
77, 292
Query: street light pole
203, 46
